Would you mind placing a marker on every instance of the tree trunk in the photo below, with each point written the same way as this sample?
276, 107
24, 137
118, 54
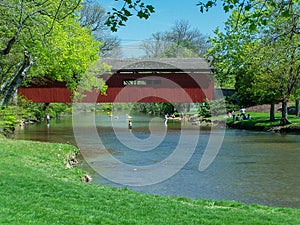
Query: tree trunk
284, 116
5, 86
272, 112
10, 89
298, 107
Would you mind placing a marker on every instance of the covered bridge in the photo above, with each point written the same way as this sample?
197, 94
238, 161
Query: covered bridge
139, 80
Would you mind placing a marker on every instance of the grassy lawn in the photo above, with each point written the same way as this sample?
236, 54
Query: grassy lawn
36, 187
261, 121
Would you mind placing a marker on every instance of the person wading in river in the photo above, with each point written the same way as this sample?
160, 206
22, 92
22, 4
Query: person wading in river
129, 125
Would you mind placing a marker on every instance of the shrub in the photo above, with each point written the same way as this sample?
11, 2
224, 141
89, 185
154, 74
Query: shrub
204, 109
216, 107
7, 125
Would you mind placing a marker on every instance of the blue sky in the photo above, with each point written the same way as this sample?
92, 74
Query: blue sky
166, 13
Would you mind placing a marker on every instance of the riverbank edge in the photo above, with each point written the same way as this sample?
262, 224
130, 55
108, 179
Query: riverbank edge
43, 189
245, 125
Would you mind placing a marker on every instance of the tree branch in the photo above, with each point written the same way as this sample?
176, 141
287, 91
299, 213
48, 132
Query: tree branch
9, 45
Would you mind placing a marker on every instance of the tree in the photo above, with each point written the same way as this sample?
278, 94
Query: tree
251, 88
180, 41
156, 46
92, 15
22, 25
269, 54
70, 51
46, 37
280, 59
296, 97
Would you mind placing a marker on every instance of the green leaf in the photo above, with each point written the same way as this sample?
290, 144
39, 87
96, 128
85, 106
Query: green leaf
285, 13
127, 13
252, 26
264, 21
226, 8
209, 4
150, 8
247, 7
141, 14
201, 9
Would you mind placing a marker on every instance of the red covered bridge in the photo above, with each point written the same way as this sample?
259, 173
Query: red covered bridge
139, 80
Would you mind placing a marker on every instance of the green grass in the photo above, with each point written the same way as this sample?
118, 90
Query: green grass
261, 121
37, 188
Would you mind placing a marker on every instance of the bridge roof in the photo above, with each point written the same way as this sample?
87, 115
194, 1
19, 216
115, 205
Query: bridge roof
158, 65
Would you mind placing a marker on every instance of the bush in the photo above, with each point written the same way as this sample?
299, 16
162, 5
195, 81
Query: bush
7, 125
217, 107
204, 109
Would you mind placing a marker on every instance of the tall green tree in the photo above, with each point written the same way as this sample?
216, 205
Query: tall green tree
24, 24
266, 55
41, 39
66, 54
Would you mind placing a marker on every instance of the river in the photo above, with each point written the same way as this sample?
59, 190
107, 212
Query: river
249, 167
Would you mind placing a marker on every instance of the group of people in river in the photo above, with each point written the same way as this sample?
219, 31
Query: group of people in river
194, 120
240, 116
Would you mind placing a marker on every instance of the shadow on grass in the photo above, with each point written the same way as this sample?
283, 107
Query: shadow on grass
261, 122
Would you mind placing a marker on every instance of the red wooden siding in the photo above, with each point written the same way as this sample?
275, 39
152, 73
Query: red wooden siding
176, 87
44, 94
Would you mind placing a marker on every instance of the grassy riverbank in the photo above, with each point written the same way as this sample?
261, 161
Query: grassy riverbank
261, 121
36, 187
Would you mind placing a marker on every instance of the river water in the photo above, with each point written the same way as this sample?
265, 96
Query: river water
250, 167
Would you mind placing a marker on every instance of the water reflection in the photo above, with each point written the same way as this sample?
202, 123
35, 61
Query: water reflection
252, 167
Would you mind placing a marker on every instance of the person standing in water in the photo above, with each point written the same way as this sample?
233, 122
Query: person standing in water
166, 119
129, 125
48, 119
